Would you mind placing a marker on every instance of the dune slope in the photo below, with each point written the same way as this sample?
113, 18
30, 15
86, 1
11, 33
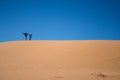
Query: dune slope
60, 60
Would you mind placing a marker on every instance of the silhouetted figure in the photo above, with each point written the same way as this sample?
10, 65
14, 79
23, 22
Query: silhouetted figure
30, 36
25, 35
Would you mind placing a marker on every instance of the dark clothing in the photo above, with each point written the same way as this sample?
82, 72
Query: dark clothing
30, 35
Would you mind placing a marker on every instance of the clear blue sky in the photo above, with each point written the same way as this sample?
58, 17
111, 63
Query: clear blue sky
60, 19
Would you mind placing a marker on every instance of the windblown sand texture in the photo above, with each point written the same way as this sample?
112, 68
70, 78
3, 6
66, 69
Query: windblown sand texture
60, 60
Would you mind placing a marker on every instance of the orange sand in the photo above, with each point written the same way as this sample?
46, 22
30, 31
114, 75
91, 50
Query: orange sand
60, 60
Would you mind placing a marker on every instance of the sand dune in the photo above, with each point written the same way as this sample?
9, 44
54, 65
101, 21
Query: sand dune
60, 60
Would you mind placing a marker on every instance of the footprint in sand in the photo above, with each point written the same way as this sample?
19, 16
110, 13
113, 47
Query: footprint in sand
58, 77
111, 77
59, 68
99, 75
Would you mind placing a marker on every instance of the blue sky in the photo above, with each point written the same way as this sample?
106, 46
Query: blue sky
60, 19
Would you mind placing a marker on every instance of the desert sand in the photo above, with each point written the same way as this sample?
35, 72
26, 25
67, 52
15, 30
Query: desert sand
60, 60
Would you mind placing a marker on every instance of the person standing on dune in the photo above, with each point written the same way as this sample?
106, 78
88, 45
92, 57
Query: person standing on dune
25, 35
30, 36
